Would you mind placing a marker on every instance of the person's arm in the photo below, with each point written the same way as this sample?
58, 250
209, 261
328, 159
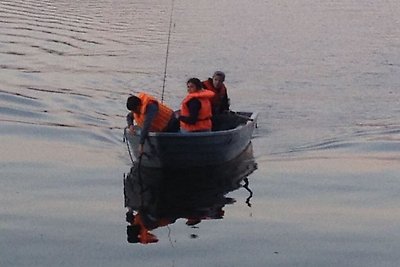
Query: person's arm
194, 106
225, 101
150, 114
129, 119
129, 122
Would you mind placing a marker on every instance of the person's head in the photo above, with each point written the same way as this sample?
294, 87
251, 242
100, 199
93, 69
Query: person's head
133, 103
218, 78
193, 85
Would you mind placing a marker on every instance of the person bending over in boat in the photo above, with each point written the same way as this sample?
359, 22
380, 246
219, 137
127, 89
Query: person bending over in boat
196, 113
220, 101
140, 226
150, 115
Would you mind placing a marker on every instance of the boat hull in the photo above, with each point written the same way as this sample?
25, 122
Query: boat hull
183, 150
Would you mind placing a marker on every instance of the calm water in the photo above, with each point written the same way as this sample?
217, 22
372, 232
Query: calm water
324, 76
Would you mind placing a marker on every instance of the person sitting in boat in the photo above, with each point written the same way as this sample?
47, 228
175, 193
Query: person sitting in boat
220, 101
149, 115
195, 114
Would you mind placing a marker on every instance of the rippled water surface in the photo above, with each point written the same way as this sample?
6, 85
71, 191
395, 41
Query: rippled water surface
323, 75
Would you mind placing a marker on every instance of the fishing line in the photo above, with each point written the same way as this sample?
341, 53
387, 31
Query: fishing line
166, 57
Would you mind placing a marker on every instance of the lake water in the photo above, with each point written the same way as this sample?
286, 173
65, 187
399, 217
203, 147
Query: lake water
323, 75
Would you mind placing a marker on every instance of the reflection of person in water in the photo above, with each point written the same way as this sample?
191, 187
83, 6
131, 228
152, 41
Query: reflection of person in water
140, 226
210, 213
156, 199
142, 222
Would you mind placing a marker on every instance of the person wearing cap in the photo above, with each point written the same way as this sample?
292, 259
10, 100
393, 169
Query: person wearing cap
196, 113
150, 115
220, 101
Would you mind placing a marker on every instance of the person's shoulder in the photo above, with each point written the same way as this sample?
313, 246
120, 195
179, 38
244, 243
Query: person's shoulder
152, 105
153, 102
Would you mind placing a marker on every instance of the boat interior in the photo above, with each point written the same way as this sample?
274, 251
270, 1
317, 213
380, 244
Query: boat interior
230, 120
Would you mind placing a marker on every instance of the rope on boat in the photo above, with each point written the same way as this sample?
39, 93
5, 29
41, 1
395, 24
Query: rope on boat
127, 144
246, 186
140, 181
166, 57
125, 139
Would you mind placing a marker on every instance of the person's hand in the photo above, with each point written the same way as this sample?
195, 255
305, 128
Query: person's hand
132, 129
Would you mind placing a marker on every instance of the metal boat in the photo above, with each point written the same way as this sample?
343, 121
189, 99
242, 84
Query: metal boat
231, 134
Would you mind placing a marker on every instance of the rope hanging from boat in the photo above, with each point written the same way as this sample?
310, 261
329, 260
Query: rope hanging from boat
127, 144
246, 186
166, 57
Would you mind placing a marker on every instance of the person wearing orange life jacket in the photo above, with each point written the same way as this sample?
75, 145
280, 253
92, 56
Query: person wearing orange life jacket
140, 226
150, 115
138, 233
196, 113
220, 102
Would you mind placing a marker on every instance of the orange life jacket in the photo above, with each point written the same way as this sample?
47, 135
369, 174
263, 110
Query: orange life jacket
145, 237
219, 93
204, 118
162, 118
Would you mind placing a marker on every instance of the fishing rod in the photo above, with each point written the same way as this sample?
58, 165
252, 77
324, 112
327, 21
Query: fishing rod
166, 57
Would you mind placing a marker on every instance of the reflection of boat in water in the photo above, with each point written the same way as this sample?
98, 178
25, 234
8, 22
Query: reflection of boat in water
158, 197
231, 135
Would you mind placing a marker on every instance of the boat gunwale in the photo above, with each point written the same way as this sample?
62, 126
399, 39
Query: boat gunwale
251, 120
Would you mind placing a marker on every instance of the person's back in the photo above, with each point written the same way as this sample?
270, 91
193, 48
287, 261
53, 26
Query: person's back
144, 106
149, 115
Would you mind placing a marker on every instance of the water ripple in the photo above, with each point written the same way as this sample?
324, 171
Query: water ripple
378, 139
72, 64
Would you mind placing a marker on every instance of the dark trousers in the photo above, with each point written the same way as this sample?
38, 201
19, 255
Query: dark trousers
173, 125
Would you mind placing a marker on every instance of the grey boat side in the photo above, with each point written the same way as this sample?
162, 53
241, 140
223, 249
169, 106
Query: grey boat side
182, 150
185, 189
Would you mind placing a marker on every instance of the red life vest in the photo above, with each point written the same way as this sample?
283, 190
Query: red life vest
220, 93
162, 118
204, 118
